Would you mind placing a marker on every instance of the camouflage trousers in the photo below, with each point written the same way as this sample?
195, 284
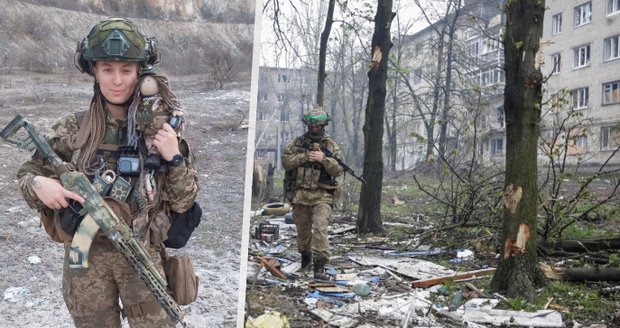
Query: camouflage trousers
312, 223
92, 295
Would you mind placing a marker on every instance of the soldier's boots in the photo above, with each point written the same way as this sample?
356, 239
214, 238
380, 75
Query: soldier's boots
319, 269
306, 261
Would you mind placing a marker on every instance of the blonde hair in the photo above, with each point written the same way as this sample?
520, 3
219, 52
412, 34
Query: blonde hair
91, 132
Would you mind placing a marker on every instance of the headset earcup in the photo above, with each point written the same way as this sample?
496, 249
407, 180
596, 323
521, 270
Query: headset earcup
153, 53
79, 61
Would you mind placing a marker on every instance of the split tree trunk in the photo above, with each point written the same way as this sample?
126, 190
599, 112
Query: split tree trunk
369, 215
518, 273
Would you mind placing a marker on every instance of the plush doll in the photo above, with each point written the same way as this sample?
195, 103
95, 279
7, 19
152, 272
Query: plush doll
157, 105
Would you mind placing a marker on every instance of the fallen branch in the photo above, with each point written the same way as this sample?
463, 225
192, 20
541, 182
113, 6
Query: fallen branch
458, 276
584, 246
581, 274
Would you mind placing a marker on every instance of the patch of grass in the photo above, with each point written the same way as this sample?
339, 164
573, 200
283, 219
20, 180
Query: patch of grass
583, 230
578, 301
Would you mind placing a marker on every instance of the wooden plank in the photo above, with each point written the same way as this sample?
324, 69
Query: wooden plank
465, 275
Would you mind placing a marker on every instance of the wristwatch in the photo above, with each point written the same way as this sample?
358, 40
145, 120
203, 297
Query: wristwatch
177, 160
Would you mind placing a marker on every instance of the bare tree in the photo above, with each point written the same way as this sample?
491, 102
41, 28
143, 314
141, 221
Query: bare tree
369, 216
518, 273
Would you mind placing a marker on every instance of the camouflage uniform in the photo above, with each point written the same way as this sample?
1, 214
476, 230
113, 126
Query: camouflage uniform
92, 294
312, 202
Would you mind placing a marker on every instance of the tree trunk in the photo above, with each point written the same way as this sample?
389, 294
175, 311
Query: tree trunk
369, 216
320, 90
518, 273
443, 136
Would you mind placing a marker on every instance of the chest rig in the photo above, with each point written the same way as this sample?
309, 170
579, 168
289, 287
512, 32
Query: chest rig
312, 175
116, 167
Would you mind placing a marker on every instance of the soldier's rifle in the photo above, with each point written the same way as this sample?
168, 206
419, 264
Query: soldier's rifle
329, 154
100, 215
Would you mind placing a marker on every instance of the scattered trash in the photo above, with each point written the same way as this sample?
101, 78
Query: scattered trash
288, 218
267, 232
271, 319
375, 278
361, 289
541, 318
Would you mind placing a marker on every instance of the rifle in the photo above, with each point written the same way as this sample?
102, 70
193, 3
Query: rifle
100, 216
328, 153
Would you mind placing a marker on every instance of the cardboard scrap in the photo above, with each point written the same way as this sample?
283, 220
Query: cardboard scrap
541, 318
410, 267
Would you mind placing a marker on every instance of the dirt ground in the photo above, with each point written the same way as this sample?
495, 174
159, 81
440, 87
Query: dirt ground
31, 264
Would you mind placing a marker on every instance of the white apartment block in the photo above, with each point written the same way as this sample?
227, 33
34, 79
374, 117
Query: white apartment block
581, 45
284, 95
476, 115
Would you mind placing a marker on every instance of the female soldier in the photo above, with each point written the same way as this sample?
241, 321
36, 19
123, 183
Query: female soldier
102, 145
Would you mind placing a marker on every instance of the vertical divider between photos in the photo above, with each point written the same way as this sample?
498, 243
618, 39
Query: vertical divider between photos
249, 165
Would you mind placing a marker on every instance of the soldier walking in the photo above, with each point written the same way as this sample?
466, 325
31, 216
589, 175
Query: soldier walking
312, 189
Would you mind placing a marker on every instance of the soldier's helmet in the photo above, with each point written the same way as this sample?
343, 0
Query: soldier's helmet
115, 39
316, 117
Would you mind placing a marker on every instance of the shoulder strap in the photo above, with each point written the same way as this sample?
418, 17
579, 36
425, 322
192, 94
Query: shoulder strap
80, 116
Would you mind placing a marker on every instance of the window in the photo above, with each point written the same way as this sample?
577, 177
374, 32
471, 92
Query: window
557, 61
583, 14
263, 97
610, 137
611, 93
582, 56
281, 99
613, 6
611, 47
497, 147
500, 116
417, 76
473, 47
491, 76
581, 141
491, 43
261, 116
284, 116
580, 98
284, 78
556, 24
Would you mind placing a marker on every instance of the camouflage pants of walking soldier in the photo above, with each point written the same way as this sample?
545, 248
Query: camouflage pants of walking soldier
312, 240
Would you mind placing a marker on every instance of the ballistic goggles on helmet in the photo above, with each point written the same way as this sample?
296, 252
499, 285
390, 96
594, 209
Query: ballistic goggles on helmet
316, 118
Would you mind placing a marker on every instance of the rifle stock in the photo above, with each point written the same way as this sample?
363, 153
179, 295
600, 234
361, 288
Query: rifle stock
119, 233
329, 154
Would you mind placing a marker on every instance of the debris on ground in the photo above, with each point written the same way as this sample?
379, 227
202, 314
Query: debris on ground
376, 283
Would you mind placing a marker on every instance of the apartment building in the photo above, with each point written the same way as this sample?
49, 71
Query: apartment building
581, 44
284, 95
474, 105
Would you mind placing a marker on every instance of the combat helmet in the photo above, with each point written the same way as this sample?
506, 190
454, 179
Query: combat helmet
316, 117
115, 39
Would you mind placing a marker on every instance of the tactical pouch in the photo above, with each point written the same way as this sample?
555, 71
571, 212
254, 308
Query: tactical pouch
182, 226
51, 224
182, 281
120, 189
71, 217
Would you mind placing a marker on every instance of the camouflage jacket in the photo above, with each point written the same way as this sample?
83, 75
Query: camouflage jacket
308, 189
177, 188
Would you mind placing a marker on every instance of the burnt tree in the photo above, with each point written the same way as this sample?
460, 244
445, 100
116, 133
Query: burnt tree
518, 273
369, 215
